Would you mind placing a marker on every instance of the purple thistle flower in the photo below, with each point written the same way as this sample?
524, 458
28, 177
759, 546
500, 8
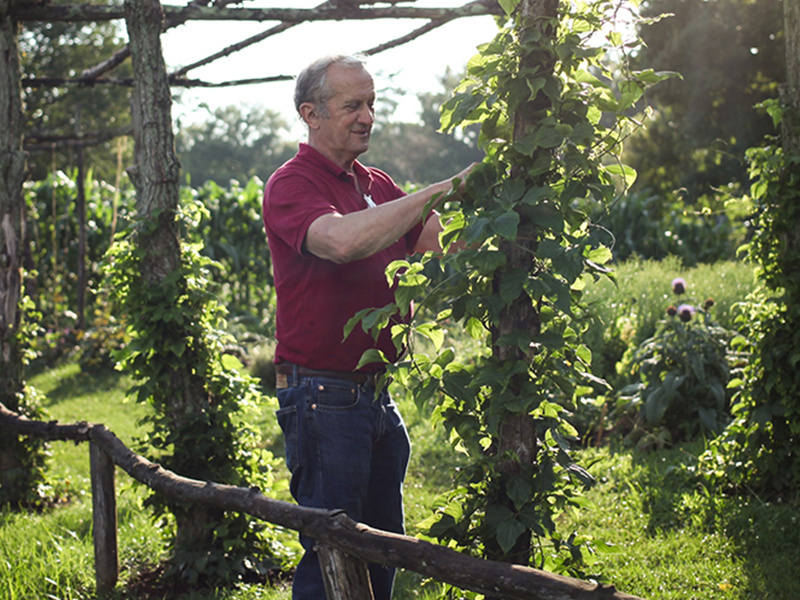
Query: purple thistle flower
708, 303
686, 311
679, 286
671, 310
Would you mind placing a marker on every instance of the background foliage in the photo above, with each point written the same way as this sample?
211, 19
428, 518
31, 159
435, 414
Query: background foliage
730, 55
692, 205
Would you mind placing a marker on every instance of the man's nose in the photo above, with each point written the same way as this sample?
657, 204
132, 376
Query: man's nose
367, 115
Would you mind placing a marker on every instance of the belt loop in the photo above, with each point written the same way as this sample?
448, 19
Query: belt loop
295, 375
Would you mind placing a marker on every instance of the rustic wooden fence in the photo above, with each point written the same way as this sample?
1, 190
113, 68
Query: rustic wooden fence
344, 545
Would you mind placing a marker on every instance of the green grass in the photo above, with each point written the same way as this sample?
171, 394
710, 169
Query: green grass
672, 540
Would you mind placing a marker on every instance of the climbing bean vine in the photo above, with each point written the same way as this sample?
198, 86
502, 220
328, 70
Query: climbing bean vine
178, 326
533, 193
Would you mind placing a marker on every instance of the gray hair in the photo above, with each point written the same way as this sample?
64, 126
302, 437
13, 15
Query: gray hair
311, 85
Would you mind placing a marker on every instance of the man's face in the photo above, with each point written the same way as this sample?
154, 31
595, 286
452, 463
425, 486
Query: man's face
343, 133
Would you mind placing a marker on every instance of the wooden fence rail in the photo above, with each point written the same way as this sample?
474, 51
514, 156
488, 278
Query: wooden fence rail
337, 534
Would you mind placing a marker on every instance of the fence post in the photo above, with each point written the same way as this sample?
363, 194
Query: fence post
104, 515
346, 577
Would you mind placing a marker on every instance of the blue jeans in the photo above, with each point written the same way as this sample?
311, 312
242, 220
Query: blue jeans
347, 448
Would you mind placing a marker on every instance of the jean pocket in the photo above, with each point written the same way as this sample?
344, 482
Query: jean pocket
287, 419
335, 395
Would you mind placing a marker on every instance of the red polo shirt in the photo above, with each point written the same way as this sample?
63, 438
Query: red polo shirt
317, 297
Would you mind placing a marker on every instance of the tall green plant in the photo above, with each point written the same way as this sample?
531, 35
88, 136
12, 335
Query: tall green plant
233, 237
177, 326
529, 251
52, 226
759, 450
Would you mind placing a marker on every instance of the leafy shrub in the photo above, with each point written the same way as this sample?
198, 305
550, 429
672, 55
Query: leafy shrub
53, 232
759, 450
175, 330
233, 237
683, 373
650, 226
23, 481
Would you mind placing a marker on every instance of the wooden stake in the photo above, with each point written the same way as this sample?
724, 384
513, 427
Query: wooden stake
104, 513
345, 576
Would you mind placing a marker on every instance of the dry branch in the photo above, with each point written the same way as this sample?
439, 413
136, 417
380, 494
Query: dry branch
280, 28
428, 27
36, 141
331, 527
194, 83
123, 54
93, 75
97, 12
172, 80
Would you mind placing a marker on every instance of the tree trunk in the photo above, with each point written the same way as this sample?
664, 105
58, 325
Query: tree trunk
12, 234
156, 175
518, 442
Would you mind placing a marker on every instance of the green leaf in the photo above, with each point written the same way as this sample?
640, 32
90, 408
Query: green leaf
355, 320
569, 265
549, 248
509, 6
551, 340
547, 215
506, 225
512, 283
433, 332
535, 194
519, 490
649, 76
508, 532
510, 192
475, 328
544, 137
600, 255
371, 356
627, 173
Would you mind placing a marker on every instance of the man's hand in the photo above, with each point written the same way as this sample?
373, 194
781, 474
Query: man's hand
458, 185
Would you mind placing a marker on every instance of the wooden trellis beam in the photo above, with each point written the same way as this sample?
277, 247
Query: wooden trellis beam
330, 527
100, 12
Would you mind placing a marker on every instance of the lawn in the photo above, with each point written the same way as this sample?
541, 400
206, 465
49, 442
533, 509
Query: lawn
664, 536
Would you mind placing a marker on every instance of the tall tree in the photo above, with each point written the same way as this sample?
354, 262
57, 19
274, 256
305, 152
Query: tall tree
233, 143
791, 90
156, 176
539, 91
730, 57
56, 50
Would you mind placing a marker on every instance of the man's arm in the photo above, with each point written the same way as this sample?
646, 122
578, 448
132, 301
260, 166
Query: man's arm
345, 238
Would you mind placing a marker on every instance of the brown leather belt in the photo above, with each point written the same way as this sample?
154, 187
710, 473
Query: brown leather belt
284, 370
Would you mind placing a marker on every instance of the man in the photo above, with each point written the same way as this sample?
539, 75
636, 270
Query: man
333, 227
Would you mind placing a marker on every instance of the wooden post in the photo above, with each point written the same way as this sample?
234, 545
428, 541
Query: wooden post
104, 514
345, 576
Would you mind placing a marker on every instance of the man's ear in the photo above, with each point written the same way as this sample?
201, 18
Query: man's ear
310, 114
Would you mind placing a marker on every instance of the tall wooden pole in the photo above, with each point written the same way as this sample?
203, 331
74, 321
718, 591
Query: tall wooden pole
156, 177
12, 236
518, 438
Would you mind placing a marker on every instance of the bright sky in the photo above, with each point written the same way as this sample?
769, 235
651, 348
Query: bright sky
415, 66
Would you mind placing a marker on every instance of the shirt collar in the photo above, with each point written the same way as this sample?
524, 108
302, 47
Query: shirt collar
312, 154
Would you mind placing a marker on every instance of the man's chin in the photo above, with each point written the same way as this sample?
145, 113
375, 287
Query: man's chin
363, 146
